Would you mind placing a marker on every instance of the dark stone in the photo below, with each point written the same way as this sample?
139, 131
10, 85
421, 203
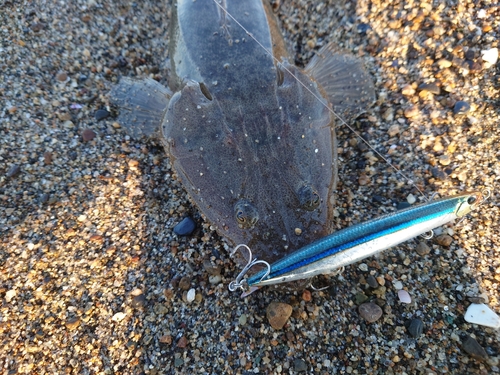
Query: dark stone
461, 107
363, 28
101, 114
372, 281
431, 87
472, 347
186, 227
139, 301
13, 171
416, 328
438, 173
299, 365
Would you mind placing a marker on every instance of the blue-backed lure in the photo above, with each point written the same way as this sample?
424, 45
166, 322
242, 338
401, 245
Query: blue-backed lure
358, 241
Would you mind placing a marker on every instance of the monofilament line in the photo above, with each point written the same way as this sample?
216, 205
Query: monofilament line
410, 181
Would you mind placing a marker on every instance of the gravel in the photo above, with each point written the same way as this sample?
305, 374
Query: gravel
93, 279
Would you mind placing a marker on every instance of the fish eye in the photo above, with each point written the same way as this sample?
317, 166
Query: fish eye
308, 197
471, 200
245, 214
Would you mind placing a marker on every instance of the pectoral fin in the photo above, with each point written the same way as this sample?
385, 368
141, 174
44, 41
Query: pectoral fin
142, 105
349, 88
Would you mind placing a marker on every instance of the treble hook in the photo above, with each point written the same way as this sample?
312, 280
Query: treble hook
238, 283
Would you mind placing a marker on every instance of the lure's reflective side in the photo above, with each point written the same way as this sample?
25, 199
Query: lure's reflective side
362, 240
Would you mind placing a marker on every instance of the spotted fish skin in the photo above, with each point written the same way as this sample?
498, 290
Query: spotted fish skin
252, 140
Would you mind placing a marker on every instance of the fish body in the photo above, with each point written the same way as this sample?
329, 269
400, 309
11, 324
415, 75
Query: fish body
365, 239
250, 136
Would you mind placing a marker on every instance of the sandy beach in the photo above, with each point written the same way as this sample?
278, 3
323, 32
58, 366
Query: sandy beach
93, 279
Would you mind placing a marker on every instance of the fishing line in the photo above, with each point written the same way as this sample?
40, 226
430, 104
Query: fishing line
343, 122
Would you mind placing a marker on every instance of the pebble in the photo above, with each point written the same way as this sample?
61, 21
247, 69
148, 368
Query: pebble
211, 269
299, 365
372, 281
182, 343
166, 339
461, 107
186, 227
62, 76
490, 55
408, 90
88, 135
422, 249
73, 323
398, 285
242, 320
214, 279
438, 174
443, 63
363, 267
119, 316
394, 130
443, 240
306, 296
360, 298
472, 347
404, 296
370, 312
13, 171
433, 88
411, 199
101, 114
444, 160
411, 112
10, 295
482, 314
416, 328
191, 294
139, 301
185, 283
278, 314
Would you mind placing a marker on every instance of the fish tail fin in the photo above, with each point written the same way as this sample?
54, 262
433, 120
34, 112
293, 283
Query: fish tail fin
349, 88
142, 105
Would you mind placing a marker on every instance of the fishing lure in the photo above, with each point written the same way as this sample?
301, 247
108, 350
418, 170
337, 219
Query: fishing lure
358, 241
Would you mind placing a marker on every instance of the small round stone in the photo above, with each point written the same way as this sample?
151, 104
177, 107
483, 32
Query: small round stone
416, 328
88, 135
411, 112
101, 114
186, 227
299, 365
422, 249
461, 107
370, 312
278, 314
139, 301
444, 240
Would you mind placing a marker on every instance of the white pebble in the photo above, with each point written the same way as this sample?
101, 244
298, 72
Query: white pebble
481, 314
481, 13
490, 55
411, 199
118, 317
10, 294
191, 294
398, 285
404, 296
214, 279
363, 267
